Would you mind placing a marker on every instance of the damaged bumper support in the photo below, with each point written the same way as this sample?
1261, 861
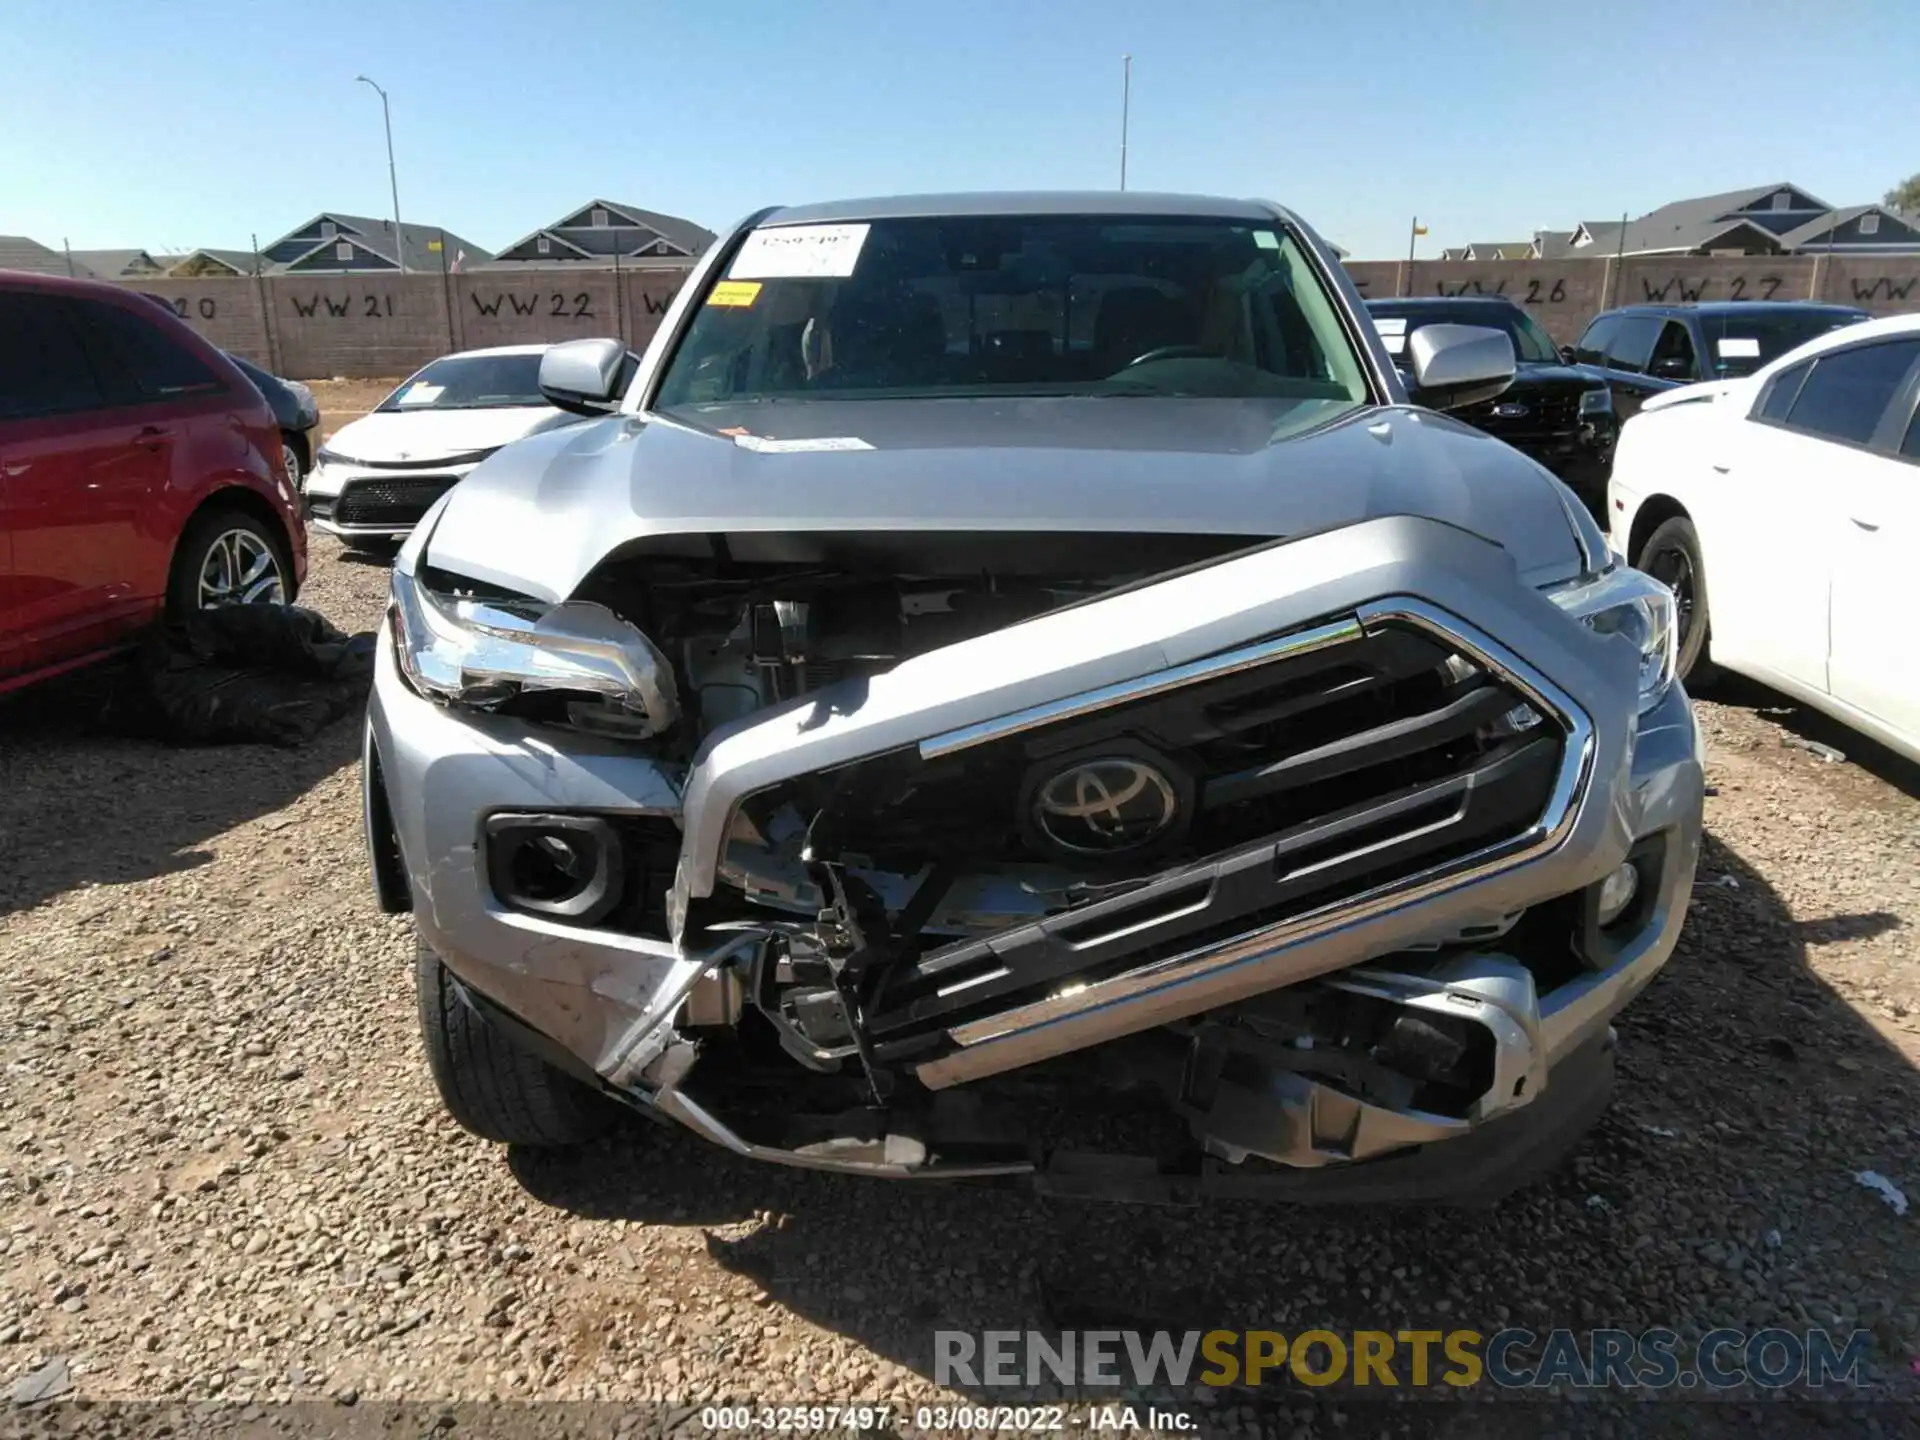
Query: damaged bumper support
1394, 925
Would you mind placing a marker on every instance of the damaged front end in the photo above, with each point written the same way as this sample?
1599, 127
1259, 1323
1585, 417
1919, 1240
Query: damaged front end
1216, 870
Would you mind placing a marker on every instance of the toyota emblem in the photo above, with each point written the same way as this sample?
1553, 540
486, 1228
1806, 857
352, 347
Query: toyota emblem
1105, 805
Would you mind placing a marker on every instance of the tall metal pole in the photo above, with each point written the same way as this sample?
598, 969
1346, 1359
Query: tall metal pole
1126, 95
1413, 235
393, 178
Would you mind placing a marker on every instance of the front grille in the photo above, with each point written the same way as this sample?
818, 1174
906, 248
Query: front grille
1547, 414
1307, 780
389, 502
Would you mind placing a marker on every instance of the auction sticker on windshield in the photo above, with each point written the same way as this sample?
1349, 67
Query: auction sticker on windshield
1738, 347
422, 393
740, 293
799, 252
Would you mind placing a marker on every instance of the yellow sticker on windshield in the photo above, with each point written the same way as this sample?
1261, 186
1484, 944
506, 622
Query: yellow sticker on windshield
734, 292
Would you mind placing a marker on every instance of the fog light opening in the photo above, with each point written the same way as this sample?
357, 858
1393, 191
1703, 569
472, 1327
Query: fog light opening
564, 867
1617, 893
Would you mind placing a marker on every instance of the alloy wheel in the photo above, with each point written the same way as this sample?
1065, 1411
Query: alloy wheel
240, 568
1673, 568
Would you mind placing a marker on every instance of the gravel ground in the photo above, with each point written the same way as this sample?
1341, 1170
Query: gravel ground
223, 1173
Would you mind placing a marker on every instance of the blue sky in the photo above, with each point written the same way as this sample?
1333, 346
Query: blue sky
167, 124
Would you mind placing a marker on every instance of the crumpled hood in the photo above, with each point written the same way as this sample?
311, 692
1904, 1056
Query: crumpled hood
539, 517
386, 436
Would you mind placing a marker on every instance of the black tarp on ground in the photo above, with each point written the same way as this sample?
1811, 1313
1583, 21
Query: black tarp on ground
253, 674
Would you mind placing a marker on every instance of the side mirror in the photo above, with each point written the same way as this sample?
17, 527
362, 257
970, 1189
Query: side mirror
583, 376
1568, 354
1456, 365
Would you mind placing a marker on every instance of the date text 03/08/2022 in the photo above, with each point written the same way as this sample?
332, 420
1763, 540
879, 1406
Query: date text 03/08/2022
867, 1419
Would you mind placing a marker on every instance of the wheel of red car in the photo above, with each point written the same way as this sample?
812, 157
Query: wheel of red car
227, 557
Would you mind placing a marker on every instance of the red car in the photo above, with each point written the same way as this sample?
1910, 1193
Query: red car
140, 476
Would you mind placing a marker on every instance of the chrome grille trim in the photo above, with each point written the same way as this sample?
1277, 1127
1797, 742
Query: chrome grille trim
1017, 1036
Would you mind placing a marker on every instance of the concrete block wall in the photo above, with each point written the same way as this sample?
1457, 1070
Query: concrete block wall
230, 313
359, 325
371, 326
1563, 295
310, 327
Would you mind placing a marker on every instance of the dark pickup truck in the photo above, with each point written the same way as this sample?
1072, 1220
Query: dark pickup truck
1560, 414
1641, 350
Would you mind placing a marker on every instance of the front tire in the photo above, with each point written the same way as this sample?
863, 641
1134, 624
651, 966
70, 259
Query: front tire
1671, 555
227, 557
291, 456
488, 1082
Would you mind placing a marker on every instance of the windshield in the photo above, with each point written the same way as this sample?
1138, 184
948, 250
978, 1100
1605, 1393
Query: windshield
1740, 342
471, 382
1531, 343
995, 306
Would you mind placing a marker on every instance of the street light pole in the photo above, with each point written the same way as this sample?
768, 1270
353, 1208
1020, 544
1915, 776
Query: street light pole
1126, 94
393, 178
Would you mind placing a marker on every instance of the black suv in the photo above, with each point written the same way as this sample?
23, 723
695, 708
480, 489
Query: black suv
1560, 414
1644, 349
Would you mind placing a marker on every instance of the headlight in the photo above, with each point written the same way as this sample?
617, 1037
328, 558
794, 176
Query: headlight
1627, 602
481, 653
1596, 402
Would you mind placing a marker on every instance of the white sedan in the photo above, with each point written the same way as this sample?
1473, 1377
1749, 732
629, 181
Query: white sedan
1784, 511
374, 478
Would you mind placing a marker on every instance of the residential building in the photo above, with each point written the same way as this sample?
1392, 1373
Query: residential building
209, 262
606, 233
17, 252
1491, 250
116, 264
1777, 219
335, 242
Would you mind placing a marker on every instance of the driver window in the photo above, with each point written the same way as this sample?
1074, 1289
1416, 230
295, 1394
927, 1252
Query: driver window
1673, 356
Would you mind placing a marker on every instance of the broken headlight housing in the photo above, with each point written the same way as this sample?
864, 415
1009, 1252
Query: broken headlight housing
1627, 602
488, 652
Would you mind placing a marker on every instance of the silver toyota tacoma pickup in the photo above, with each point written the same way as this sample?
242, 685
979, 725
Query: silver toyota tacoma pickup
1017, 685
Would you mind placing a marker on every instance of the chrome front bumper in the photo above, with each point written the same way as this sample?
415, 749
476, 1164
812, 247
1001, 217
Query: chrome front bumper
610, 998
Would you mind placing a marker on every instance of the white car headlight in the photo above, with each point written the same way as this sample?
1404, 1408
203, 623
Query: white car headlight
1626, 602
1596, 402
471, 651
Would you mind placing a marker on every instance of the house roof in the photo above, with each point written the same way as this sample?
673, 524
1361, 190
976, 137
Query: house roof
688, 236
110, 264
1809, 233
17, 252
1510, 249
1553, 244
1603, 237
1690, 224
377, 235
243, 261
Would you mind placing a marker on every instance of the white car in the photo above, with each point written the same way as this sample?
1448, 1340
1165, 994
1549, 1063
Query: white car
1783, 509
374, 478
